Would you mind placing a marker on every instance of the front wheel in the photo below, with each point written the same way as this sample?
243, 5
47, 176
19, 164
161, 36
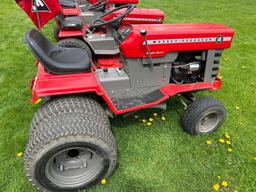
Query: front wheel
205, 115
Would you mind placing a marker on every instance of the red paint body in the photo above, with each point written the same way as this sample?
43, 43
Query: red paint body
38, 16
71, 12
137, 16
133, 46
76, 11
46, 84
141, 16
117, 1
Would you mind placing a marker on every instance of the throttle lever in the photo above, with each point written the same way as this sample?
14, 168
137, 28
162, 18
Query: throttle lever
144, 33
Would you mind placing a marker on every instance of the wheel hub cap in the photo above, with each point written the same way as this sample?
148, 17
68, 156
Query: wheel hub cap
209, 122
73, 167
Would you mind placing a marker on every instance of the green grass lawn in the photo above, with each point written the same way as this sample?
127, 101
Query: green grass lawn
157, 158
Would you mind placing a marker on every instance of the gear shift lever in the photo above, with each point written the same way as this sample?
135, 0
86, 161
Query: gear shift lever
144, 33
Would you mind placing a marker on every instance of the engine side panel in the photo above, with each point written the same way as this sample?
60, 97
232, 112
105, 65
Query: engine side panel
138, 76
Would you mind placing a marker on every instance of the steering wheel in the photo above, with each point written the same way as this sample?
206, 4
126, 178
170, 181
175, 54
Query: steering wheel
98, 5
100, 21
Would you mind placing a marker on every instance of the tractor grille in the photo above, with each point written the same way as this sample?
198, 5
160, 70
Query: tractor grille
212, 65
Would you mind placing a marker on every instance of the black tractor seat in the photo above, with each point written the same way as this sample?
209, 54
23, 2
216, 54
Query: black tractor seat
56, 59
70, 22
67, 3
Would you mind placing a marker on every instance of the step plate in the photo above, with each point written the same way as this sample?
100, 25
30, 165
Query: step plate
131, 102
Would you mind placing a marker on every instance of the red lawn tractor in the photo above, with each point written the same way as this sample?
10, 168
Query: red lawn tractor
77, 26
99, 40
75, 7
71, 146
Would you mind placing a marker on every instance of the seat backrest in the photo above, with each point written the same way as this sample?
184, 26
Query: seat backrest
61, 18
39, 45
67, 3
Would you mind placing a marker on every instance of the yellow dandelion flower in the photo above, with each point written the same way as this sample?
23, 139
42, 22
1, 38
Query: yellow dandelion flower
104, 181
228, 142
224, 183
149, 123
163, 118
226, 58
38, 101
237, 108
155, 114
227, 136
230, 150
19, 154
216, 187
151, 119
222, 141
209, 142
144, 120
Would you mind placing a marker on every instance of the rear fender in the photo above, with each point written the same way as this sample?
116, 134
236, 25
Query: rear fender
45, 84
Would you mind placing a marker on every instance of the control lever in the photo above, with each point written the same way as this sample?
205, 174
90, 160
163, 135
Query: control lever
144, 33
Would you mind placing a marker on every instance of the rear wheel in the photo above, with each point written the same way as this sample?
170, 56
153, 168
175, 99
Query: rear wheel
66, 105
69, 152
77, 43
203, 116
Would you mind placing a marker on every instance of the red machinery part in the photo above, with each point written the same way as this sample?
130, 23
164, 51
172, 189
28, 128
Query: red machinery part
71, 11
76, 11
141, 16
46, 84
137, 16
117, 1
163, 39
74, 32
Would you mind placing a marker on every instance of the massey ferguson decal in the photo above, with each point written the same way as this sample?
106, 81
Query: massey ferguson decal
159, 20
39, 6
218, 40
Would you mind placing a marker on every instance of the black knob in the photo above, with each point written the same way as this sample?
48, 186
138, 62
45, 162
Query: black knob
143, 32
105, 70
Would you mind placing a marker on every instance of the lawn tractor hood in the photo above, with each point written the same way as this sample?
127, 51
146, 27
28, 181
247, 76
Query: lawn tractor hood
163, 39
141, 16
110, 2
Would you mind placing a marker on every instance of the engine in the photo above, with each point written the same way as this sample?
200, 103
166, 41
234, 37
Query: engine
198, 66
186, 72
